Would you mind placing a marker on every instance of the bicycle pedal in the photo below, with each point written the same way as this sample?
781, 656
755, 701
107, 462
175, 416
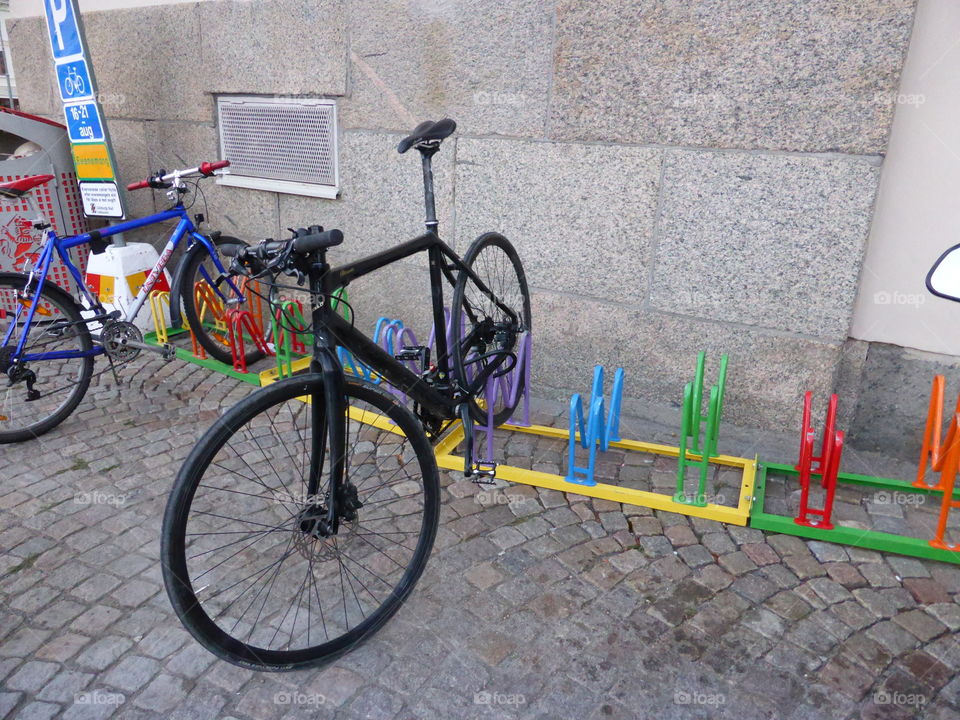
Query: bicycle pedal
483, 473
168, 352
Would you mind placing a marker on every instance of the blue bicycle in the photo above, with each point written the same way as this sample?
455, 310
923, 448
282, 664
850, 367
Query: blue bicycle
48, 339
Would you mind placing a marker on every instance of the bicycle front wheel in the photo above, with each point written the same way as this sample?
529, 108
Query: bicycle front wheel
243, 562
58, 383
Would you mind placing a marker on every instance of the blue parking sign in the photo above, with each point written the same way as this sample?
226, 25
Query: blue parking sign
83, 122
62, 24
74, 80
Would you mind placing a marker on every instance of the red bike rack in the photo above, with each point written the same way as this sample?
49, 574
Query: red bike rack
237, 321
827, 464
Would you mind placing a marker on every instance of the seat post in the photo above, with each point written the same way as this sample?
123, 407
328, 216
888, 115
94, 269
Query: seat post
426, 154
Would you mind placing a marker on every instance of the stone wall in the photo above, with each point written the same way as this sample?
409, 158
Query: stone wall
676, 176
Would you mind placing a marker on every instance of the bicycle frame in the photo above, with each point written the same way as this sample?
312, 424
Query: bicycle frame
442, 401
441, 405
62, 246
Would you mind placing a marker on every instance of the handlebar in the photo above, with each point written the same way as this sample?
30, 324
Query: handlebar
162, 179
276, 254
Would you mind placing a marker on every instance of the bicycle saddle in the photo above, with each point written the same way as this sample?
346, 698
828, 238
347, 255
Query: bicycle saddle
426, 131
19, 188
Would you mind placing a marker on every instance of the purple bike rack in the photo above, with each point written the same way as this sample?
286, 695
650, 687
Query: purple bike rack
507, 386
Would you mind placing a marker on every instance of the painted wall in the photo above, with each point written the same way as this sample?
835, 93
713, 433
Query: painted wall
676, 176
918, 207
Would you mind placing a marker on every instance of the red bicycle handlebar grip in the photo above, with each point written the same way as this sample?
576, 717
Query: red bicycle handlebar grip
207, 168
138, 185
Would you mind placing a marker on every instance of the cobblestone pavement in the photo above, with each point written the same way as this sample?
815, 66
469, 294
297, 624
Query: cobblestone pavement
534, 604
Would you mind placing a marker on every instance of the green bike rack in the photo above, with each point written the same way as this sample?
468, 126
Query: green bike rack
693, 452
283, 337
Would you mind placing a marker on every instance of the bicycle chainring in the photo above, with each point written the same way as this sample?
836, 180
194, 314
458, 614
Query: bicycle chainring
116, 338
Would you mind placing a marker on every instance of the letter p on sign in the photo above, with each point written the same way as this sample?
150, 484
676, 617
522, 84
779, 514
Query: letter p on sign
62, 23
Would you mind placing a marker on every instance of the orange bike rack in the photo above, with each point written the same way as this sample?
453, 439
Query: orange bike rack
932, 454
206, 300
827, 464
950, 460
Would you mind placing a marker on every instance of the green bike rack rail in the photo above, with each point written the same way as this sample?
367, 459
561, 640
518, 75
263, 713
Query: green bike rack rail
690, 425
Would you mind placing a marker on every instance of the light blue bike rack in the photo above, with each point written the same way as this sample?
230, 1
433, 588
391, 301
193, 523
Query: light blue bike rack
596, 431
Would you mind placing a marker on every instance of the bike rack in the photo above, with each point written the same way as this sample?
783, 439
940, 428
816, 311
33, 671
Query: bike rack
507, 387
157, 300
932, 454
827, 464
597, 432
287, 342
237, 322
940, 453
948, 477
293, 348
600, 430
690, 438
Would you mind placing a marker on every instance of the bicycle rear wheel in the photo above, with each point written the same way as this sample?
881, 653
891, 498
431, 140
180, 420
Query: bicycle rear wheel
244, 572
61, 383
486, 338
203, 303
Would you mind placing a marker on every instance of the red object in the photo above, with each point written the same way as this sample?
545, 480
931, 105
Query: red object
37, 118
138, 185
237, 321
17, 188
207, 168
827, 464
284, 313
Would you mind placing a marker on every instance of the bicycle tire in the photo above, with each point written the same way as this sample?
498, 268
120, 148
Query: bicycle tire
187, 531
480, 309
55, 301
216, 344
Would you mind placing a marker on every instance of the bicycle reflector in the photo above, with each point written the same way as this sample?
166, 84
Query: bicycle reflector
41, 310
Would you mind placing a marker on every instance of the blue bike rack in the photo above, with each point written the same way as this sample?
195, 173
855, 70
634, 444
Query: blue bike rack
596, 431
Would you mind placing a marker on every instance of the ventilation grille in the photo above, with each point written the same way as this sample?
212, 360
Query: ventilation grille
292, 140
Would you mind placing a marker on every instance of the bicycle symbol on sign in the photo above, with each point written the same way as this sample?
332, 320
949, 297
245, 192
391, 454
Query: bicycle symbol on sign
73, 83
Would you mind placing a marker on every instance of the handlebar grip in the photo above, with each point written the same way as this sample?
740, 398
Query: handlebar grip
315, 241
207, 168
138, 185
231, 249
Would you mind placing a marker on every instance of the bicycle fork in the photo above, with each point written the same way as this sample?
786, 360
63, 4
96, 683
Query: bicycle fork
328, 427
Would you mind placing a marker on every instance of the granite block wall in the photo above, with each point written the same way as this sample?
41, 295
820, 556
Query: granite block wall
676, 176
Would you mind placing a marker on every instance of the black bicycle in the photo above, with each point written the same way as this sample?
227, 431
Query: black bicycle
304, 516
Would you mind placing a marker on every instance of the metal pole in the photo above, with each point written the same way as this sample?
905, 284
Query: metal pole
7, 65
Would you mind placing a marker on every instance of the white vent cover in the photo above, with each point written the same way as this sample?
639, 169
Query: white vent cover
280, 144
